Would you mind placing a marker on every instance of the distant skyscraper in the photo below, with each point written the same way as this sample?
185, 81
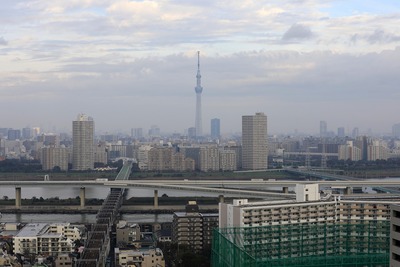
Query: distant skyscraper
26, 133
198, 89
323, 128
356, 132
254, 142
83, 143
137, 133
154, 131
215, 128
14, 134
36, 131
396, 130
340, 132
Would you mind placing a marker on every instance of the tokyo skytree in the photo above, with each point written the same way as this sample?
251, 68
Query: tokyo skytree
198, 89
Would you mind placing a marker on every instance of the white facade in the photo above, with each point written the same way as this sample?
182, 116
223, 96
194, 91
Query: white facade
51, 157
307, 192
349, 152
378, 150
332, 210
133, 258
227, 160
143, 156
209, 158
45, 239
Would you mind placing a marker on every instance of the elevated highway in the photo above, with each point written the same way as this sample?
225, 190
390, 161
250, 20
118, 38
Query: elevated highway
195, 185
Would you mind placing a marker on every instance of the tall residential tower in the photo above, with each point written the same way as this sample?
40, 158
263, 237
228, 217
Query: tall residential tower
254, 142
83, 143
323, 129
198, 89
215, 128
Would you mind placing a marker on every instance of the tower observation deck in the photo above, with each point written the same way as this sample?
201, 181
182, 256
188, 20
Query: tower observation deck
198, 89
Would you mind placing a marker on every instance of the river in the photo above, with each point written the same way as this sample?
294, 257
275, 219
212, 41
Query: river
91, 192
82, 218
96, 192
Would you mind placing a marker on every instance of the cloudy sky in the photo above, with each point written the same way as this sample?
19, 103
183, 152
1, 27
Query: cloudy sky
133, 64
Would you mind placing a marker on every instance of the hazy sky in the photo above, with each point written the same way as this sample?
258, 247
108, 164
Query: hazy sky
133, 64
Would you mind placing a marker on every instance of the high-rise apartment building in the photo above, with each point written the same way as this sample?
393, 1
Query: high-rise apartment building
14, 134
349, 152
193, 228
395, 236
137, 133
254, 142
227, 160
54, 157
83, 143
26, 133
209, 158
313, 230
215, 129
377, 150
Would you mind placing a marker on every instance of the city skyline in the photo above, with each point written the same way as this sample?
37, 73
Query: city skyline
299, 62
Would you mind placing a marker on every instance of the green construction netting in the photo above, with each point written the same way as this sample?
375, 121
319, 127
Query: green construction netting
303, 245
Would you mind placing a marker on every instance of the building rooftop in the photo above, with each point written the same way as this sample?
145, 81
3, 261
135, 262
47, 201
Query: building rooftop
33, 230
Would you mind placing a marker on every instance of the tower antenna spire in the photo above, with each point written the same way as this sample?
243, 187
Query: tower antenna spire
198, 60
198, 89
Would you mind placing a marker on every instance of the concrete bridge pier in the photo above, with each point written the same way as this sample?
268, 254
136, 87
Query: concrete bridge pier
155, 199
285, 189
221, 199
82, 196
348, 190
18, 197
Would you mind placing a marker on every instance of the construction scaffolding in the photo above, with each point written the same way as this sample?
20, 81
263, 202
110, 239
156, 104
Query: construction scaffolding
303, 245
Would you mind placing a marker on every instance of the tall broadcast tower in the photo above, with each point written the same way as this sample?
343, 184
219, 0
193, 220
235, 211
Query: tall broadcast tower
199, 90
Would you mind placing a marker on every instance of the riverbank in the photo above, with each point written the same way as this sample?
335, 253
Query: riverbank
133, 205
126, 209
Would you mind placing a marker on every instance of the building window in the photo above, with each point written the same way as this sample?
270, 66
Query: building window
396, 257
396, 214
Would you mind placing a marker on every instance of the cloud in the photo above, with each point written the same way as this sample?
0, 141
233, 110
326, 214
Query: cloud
135, 56
297, 32
241, 83
380, 36
3, 41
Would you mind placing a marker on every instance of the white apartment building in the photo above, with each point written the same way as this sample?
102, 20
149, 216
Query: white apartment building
51, 157
66, 229
227, 160
143, 156
378, 150
209, 158
45, 239
349, 152
100, 153
142, 258
331, 209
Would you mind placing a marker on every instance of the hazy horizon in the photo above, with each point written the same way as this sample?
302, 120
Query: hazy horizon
132, 64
